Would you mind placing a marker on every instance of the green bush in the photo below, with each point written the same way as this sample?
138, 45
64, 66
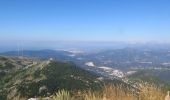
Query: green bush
62, 95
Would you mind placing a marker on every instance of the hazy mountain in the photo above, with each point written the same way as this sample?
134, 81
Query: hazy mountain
43, 72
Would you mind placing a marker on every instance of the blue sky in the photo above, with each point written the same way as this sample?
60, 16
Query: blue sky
84, 20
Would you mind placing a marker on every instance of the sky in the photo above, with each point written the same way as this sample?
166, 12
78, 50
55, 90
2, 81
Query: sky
84, 20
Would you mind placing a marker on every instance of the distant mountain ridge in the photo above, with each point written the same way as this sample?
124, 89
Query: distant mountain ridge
38, 53
120, 58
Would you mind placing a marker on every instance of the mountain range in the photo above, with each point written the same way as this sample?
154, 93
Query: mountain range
31, 73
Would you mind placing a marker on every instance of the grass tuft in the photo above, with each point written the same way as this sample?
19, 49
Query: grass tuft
115, 92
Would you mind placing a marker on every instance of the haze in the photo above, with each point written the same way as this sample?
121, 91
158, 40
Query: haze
38, 23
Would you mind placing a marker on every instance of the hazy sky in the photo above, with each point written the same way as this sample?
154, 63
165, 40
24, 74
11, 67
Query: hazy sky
84, 20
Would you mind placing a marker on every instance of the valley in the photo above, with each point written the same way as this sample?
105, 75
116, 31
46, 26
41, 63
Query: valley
42, 73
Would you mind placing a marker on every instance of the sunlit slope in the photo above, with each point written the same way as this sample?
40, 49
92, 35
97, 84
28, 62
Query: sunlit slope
42, 78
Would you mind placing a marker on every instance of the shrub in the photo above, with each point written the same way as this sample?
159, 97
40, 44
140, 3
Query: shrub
62, 95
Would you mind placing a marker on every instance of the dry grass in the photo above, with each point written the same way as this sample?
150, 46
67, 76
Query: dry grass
110, 92
151, 92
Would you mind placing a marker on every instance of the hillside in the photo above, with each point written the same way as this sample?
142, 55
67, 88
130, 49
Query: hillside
151, 77
26, 78
22, 78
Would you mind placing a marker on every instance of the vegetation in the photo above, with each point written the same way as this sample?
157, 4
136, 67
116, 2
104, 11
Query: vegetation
43, 78
149, 77
112, 92
62, 95
32, 79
